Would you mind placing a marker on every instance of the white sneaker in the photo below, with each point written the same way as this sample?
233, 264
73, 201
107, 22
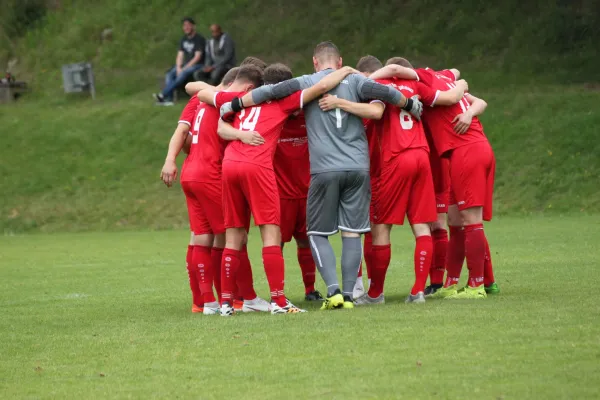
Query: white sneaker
256, 305
417, 298
366, 300
288, 309
226, 310
211, 308
359, 288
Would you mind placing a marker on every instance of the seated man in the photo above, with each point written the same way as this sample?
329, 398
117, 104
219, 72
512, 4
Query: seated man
189, 60
220, 57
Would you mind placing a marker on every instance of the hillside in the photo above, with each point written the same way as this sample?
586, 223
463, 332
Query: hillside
69, 163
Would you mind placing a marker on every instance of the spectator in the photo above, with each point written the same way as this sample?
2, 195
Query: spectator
220, 57
189, 59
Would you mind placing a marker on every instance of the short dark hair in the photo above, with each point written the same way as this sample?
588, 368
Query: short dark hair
325, 51
230, 76
368, 64
403, 62
251, 74
276, 73
250, 60
188, 19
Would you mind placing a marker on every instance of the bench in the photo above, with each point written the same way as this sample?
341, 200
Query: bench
10, 91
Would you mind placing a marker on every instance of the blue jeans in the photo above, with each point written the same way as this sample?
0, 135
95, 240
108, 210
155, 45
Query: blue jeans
172, 80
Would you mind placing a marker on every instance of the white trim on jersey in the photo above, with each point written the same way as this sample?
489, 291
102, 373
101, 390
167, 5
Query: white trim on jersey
302, 99
343, 228
184, 122
437, 93
215, 99
317, 233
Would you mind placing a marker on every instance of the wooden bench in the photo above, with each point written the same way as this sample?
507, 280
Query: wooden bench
9, 92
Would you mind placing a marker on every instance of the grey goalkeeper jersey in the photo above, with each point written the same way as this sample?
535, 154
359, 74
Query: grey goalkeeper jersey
336, 139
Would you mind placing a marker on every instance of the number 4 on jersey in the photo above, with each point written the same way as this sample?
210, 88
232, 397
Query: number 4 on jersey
196, 130
249, 124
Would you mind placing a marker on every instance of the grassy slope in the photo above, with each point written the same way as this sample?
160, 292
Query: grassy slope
73, 164
116, 324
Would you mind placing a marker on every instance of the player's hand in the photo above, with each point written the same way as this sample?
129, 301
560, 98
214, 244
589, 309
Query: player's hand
328, 102
350, 70
227, 113
252, 138
416, 108
463, 83
169, 173
463, 122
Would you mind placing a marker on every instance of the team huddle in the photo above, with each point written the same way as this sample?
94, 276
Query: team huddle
342, 150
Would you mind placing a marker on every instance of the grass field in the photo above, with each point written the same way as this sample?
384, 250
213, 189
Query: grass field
106, 315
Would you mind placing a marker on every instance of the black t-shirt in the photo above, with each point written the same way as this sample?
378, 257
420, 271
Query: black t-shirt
191, 46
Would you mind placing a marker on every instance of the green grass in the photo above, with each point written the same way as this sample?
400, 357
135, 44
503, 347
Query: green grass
107, 315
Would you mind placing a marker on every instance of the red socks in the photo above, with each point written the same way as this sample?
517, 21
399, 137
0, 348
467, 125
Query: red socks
488, 271
307, 265
274, 269
202, 261
380, 256
217, 257
455, 255
423, 256
438, 266
368, 253
245, 281
192, 275
475, 251
229, 267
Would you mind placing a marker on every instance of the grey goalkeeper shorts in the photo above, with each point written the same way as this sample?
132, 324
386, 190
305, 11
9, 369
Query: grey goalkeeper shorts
338, 200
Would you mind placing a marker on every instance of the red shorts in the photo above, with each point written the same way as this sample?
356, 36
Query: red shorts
293, 219
249, 188
405, 188
204, 207
472, 170
440, 171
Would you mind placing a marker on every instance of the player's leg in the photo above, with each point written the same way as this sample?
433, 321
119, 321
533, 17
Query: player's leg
235, 214
470, 167
322, 222
439, 234
304, 254
491, 287
380, 257
260, 188
354, 221
421, 212
191, 264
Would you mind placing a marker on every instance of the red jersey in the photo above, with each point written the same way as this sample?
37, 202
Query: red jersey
292, 166
398, 130
266, 119
189, 111
374, 148
439, 119
203, 164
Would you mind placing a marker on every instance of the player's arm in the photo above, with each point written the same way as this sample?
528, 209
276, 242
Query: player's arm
187, 144
452, 96
192, 88
228, 132
397, 71
324, 85
168, 173
370, 90
463, 121
373, 110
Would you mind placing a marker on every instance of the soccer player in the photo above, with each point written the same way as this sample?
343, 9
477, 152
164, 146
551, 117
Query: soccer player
339, 193
292, 169
405, 185
249, 182
250, 60
458, 136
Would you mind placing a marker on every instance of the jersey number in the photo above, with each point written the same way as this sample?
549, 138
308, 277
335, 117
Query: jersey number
196, 130
464, 104
249, 124
338, 117
406, 121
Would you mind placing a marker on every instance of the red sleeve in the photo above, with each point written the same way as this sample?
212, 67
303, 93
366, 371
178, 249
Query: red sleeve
428, 95
448, 74
425, 75
225, 97
291, 103
189, 111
